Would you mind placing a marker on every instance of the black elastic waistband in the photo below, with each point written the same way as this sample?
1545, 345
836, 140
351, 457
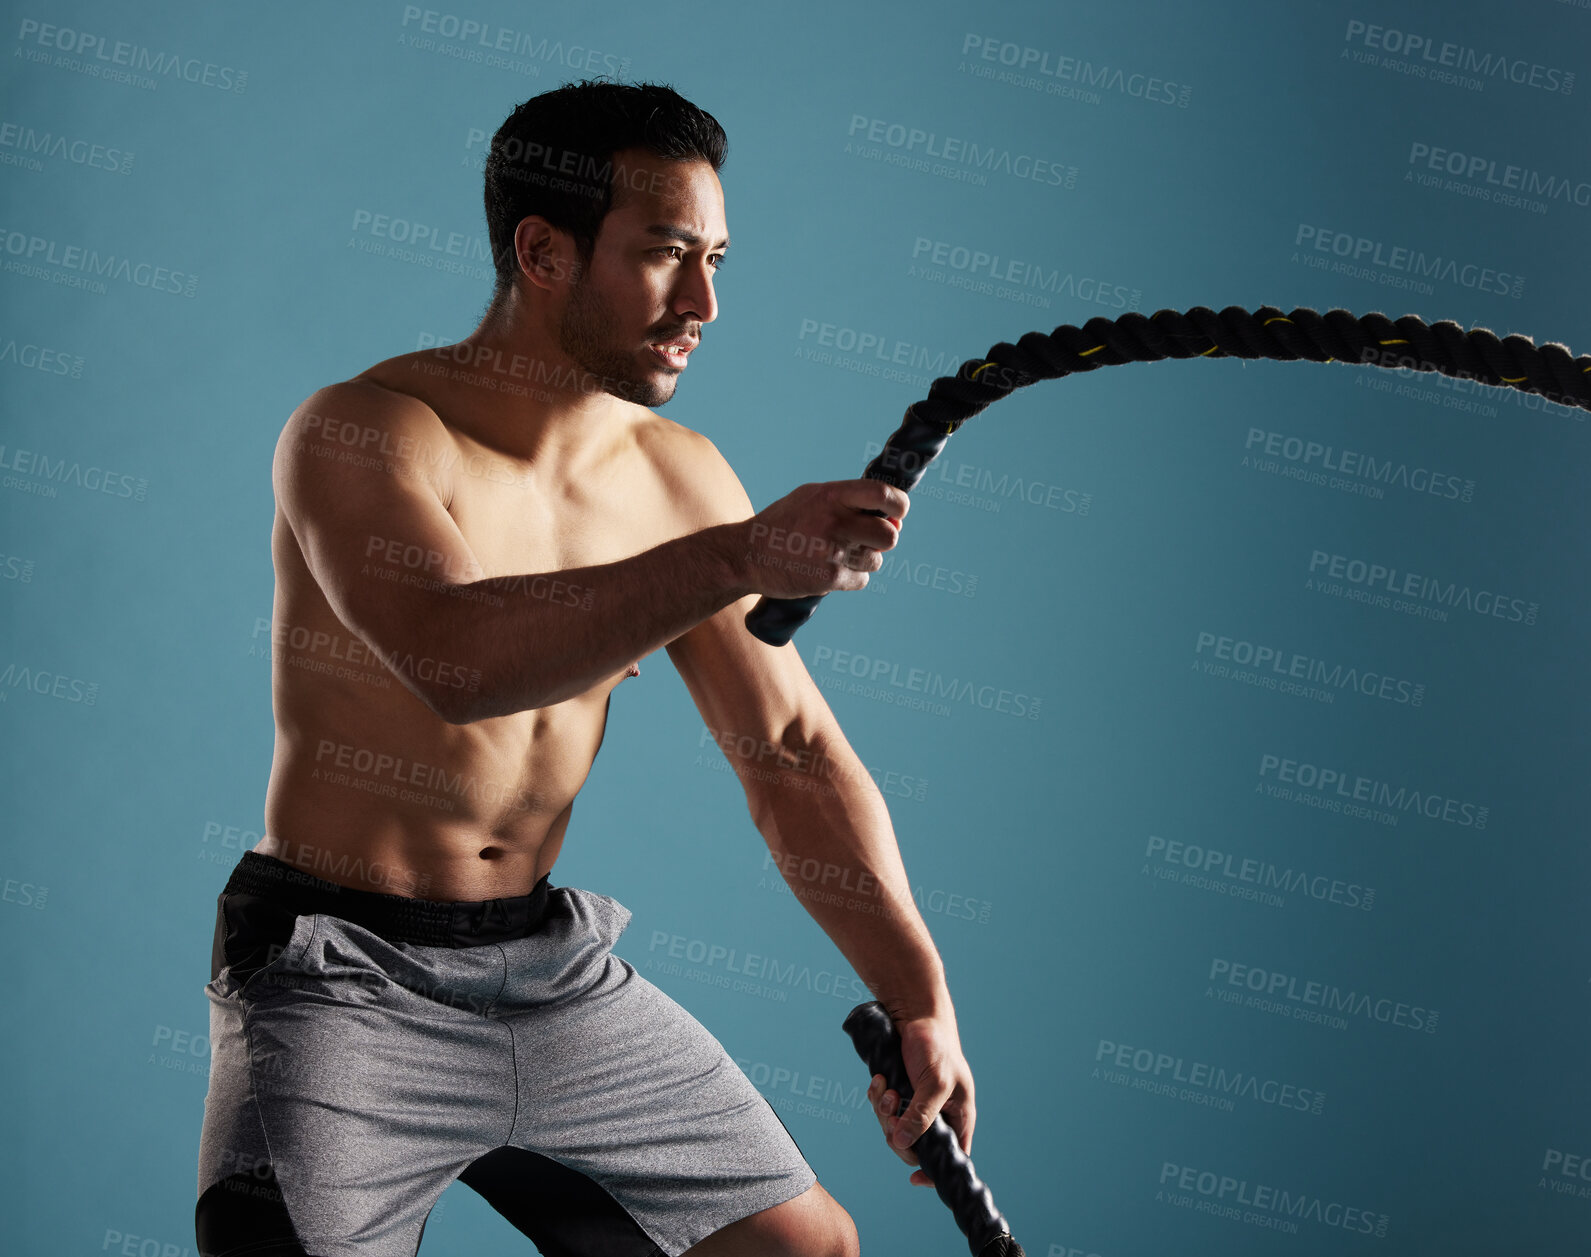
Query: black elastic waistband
397, 918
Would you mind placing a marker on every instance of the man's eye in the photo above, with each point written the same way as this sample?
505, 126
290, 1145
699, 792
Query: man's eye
672, 251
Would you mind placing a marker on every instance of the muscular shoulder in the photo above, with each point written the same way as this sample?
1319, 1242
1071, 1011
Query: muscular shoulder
362, 423
692, 472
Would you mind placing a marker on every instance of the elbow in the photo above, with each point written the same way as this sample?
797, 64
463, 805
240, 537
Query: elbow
452, 707
452, 691
457, 695
763, 815
464, 705
469, 681
445, 702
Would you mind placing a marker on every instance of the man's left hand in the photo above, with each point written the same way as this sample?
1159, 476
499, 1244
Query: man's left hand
941, 1081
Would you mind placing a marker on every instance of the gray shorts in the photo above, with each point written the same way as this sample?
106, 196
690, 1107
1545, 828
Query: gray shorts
365, 1075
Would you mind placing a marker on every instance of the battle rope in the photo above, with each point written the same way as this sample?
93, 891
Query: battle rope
1336, 336
988, 1234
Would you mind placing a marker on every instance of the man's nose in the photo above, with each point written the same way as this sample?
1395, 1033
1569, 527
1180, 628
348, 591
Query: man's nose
695, 297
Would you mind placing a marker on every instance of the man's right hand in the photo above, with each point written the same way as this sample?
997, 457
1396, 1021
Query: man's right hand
822, 537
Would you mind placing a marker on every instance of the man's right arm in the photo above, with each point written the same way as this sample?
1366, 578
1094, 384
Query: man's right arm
360, 475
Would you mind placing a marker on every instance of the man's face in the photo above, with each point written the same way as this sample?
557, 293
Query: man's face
637, 309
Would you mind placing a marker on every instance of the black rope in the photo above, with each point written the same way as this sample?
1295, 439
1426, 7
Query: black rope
1373, 340
1408, 343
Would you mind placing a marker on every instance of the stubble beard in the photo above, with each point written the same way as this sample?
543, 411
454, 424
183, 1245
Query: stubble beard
584, 334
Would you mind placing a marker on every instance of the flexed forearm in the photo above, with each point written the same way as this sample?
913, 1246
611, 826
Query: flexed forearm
829, 831
538, 639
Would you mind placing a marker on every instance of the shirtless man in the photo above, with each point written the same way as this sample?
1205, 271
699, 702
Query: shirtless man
473, 546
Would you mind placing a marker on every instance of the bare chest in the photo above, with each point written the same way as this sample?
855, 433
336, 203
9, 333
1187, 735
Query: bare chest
523, 519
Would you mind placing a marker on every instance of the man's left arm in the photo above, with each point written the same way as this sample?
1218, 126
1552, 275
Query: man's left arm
828, 829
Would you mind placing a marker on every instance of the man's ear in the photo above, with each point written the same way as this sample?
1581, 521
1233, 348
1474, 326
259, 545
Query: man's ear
546, 255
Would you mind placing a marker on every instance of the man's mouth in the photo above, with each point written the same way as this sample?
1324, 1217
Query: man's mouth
674, 351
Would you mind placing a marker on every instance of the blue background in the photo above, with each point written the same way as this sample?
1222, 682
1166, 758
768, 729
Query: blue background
135, 701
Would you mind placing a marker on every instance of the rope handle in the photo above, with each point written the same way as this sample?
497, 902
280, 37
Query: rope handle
877, 1042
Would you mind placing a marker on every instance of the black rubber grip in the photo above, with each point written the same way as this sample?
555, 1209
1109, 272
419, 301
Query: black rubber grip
901, 463
967, 1196
775, 620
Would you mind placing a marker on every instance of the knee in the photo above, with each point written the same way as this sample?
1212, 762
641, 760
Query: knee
834, 1237
846, 1241
811, 1225
822, 1229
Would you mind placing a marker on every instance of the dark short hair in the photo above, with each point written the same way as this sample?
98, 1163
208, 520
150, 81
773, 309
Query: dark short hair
553, 156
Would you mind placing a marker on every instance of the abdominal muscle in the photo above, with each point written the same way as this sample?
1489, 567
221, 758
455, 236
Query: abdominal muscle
371, 789
477, 814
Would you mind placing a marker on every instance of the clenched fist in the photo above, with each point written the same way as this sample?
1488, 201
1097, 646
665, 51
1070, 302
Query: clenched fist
822, 537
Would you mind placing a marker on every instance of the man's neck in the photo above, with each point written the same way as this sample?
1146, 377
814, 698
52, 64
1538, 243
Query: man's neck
529, 399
